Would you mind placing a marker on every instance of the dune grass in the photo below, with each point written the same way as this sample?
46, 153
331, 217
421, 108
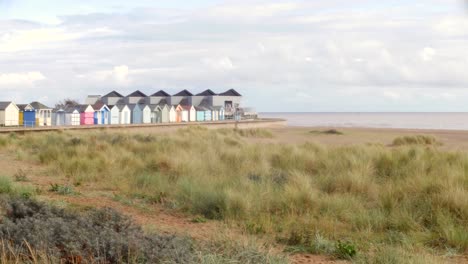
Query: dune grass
384, 202
416, 140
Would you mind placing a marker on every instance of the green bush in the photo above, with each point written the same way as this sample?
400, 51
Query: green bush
345, 250
416, 140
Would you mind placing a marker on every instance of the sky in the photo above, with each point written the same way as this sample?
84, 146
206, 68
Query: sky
282, 56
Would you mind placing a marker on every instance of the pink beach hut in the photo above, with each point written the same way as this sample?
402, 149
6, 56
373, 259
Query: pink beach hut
86, 115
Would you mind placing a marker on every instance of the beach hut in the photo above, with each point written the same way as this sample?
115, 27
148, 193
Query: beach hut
214, 114
146, 113
115, 114
86, 114
9, 114
43, 114
188, 113
208, 114
220, 112
137, 113
200, 113
72, 116
58, 117
172, 114
178, 111
164, 113
101, 113
27, 115
155, 114
125, 115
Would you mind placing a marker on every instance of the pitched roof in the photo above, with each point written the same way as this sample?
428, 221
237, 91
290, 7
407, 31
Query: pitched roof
133, 106
82, 108
155, 107
142, 101
113, 94
98, 105
4, 105
231, 92
183, 93
161, 93
207, 93
22, 106
137, 93
38, 105
71, 109
201, 108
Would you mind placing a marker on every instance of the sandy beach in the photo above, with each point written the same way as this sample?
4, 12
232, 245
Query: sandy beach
451, 139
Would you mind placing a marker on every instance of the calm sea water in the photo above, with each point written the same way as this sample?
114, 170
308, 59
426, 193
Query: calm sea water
451, 121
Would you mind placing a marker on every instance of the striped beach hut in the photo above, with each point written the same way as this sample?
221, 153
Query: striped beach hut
188, 113
86, 114
9, 114
43, 114
178, 111
72, 116
220, 112
101, 113
27, 115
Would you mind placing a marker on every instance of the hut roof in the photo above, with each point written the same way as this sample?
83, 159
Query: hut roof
137, 93
113, 94
38, 105
133, 106
230, 92
22, 107
201, 108
183, 93
205, 103
99, 105
207, 93
4, 105
82, 108
161, 93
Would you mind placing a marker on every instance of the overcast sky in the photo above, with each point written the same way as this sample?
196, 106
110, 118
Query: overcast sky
334, 55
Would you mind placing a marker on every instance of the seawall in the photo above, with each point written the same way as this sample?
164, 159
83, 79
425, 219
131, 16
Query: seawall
257, 123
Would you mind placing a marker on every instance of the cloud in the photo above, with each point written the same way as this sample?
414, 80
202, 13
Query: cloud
427, 54
269, 50
20, 79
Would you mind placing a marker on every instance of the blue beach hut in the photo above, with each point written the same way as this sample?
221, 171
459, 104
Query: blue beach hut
101, 113
200, 113
137, 113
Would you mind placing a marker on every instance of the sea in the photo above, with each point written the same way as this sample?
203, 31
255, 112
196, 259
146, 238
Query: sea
446, 121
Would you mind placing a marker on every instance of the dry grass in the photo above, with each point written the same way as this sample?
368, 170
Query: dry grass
408, 199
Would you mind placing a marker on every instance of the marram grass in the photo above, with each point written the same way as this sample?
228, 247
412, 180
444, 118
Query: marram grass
407, 200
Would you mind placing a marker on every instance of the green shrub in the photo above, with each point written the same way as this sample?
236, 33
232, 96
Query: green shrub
416, 140
6, 186
345, 250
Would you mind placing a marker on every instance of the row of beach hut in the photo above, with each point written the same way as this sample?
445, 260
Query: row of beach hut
37, 114
116, 109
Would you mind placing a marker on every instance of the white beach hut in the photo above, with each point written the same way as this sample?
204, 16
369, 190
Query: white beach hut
9, 114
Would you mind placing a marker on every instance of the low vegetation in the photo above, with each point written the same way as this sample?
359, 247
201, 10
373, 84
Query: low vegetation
327, 132
416, 140
369, 203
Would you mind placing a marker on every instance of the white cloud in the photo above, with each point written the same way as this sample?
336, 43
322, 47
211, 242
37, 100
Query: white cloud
20, 79
427, 54
392, 95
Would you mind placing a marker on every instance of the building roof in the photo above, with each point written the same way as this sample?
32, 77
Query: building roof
231, 92
22, 107
143, 101
38, 105
207, 93
99, 105
113, 94
201, 108
162, 102
184, 102
161, 93
183, 93
205, 103
4, 105
91, 99
137, 93
82, 108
